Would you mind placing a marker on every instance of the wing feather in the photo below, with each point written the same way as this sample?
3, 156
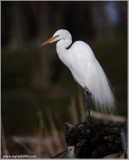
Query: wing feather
87, 71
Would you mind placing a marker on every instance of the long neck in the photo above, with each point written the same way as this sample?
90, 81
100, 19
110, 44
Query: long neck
62, 50
63, 44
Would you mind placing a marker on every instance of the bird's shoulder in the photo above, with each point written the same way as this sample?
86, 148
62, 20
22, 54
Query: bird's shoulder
80, 43
80, 47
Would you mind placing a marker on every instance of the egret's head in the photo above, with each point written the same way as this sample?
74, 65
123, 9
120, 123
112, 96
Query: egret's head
58, 35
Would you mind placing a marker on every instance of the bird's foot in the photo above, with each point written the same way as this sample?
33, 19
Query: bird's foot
87, 122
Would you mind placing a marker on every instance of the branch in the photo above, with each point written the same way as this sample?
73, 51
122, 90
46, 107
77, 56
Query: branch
107, 117
96, 140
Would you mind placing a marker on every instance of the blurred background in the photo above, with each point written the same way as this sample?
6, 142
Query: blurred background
38, 92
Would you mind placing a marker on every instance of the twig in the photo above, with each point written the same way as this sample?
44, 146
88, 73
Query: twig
3, 141
106, 117
81, 105
40, 133
54, 131
73, 110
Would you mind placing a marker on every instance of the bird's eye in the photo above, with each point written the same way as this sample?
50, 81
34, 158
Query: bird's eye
56, 36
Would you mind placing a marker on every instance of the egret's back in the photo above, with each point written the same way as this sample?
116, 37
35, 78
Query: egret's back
87, 71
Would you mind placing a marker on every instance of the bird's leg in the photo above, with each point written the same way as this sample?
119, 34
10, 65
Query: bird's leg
89, 119
87, 104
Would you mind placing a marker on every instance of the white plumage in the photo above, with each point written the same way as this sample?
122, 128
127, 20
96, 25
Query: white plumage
85, 68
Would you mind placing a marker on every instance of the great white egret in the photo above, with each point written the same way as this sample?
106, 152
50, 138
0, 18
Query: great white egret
86, 70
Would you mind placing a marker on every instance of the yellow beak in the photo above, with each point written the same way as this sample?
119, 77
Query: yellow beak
48, 41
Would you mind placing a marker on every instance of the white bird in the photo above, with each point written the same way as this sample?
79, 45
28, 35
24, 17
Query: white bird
86, 70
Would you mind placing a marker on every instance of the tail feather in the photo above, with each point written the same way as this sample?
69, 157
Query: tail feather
102, 94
